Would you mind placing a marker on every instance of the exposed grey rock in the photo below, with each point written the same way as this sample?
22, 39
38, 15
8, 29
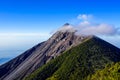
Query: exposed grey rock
40, 54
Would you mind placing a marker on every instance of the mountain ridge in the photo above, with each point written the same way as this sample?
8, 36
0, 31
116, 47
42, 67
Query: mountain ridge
78, 62
40, 54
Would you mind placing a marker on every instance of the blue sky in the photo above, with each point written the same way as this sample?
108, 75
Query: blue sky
24, 23
36, 15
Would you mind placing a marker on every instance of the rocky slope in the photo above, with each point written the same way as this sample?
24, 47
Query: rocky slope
40, 54
79, 62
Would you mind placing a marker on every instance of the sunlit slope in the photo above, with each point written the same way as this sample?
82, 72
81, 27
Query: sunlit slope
79, 62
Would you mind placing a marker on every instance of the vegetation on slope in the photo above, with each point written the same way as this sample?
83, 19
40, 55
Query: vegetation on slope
78, 62
110, 72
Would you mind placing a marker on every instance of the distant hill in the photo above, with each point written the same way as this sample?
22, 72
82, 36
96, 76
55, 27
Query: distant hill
79, 62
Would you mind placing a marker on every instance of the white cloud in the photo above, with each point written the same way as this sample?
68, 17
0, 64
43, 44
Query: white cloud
84, 23
23, 34
86, 27
84, 16
68, 27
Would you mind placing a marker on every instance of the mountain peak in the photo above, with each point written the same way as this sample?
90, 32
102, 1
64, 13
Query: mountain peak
78, 62
64, 40
67, 28
66, 24
40, 54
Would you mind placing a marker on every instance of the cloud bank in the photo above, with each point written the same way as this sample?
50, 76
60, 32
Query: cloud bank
14, 41
87, 27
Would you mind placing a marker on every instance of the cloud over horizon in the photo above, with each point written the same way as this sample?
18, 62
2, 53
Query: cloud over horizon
87, 27
14, 41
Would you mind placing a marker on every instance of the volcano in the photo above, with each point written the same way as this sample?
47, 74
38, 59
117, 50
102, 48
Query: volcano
64, 56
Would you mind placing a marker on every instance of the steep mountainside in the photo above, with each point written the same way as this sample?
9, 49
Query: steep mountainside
40, 54
78, 62
110, 72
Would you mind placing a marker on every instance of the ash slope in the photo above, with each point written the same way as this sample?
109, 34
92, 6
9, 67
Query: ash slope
32, 59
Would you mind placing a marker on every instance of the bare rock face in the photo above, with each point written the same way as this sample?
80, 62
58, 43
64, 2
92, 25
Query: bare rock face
40, 54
